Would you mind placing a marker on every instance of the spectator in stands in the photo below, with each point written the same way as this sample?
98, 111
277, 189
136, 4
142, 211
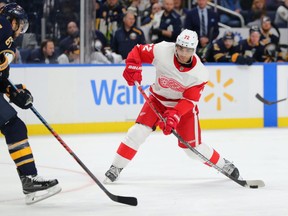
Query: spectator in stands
281, 16
107, 56
98, 7
205, 22
246, 5
134, 7
273, 53
148, 21
17, 59
45, 54
111, 18
228, 19
3, 3
71, 38
70, 56
285, 58
100, 41
27, 41
57, 14
97, 57
168, 24
181, 10
267, 35
257, 11
66, 11
270, 41
194, 3
102, 53
250, 50
224, 48
272, 5
156, 7
127, 36
144, 4
148, 10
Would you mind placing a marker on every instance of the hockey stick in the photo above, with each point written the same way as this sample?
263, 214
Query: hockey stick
244, 183
121, 199
259, 97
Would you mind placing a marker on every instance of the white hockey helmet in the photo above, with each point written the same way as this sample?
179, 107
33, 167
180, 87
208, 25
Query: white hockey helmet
187, 38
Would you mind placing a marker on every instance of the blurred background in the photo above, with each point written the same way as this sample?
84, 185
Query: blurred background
79, 47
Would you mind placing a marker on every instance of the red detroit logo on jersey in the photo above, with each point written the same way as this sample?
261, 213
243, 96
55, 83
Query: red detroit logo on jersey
166, 82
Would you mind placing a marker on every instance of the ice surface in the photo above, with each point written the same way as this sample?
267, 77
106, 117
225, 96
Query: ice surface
165, 181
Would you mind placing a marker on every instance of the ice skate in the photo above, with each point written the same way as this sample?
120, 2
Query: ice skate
36, 188
112, 174
231, 170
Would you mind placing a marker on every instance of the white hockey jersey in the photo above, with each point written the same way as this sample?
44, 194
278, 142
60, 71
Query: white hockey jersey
173, 81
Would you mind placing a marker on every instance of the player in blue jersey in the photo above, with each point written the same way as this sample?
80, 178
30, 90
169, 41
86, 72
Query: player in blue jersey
13, 22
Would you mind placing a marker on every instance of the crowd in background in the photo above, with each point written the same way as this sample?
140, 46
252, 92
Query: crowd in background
121, 24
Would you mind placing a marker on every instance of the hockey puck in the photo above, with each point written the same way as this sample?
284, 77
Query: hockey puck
253, 186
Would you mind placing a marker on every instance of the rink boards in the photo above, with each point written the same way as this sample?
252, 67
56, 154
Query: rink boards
95, 98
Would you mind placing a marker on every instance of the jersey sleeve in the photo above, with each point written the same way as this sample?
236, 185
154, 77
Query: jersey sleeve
190, 97
6, 39
141, 54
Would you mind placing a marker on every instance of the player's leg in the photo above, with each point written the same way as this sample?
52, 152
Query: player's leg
15, 133
127, 149
145, 123
189, 130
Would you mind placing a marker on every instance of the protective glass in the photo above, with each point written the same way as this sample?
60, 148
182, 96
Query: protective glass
23, 25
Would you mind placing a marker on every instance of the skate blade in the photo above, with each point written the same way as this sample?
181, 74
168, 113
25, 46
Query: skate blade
41, 195
107, 181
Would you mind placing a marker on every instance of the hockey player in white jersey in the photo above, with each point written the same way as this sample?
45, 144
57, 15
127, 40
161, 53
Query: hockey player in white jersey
180, 80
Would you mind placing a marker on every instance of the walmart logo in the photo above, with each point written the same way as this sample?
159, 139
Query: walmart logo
219, 84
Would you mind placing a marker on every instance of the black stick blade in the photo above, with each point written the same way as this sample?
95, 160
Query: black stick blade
125, 200
259, 97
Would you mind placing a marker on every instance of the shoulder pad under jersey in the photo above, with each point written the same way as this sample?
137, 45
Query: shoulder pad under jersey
6, 35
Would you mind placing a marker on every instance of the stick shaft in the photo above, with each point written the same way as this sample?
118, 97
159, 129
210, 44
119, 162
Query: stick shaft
244, 183
201, 156
124, 200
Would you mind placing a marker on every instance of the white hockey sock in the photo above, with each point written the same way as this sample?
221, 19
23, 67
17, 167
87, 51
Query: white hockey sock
120, 161
136, 135
208, 152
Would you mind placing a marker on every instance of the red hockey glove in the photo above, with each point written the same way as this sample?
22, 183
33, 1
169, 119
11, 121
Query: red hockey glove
133, 73
22, 98
172, 119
